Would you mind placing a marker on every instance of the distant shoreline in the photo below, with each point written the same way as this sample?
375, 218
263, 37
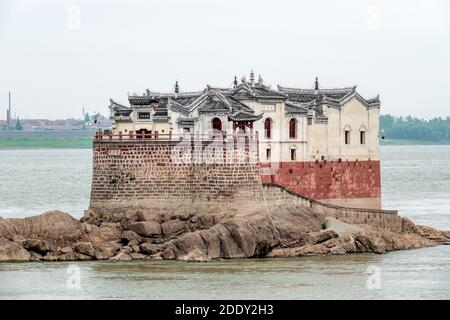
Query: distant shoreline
406, 142
46, 139
83, 140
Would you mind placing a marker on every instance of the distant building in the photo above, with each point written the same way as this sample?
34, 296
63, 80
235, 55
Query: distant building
98, 121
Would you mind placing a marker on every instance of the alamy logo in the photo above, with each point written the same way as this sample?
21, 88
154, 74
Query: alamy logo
374, 17
218, 151
74, 279
374, 279
73, 21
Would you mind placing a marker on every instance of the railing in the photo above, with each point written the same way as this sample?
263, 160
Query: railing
156, 136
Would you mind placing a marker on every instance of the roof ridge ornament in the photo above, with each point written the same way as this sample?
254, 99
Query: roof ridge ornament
260, 80
316, 84
235, 82
252, 78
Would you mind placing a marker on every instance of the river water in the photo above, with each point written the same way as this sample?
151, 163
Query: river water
415, 181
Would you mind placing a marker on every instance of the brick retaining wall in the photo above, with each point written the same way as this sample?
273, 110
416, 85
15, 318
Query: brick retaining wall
132, 173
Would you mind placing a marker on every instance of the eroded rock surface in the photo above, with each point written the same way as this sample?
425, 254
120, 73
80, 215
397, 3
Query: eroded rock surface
200, 235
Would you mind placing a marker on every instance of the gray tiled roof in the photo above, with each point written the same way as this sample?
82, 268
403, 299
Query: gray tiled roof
257, 91
244, 116
296, 107
307, 95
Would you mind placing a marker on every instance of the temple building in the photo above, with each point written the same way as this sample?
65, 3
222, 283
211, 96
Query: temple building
322, 143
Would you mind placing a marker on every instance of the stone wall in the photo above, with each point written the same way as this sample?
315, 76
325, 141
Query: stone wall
384, 219
144, 172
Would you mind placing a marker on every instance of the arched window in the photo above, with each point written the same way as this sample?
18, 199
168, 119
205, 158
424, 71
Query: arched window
268, 128
362, 135
217, 124
347, 131
293, 128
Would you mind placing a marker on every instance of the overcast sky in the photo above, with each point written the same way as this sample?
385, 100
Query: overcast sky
57, 56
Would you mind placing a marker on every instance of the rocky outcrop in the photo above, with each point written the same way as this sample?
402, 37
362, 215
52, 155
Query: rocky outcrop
56, 227
12, 251
200, 235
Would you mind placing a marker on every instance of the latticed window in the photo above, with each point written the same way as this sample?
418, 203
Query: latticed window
292, 128
268, 128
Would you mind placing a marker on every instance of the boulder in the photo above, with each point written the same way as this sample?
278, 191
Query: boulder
101, 235
106, 250
72, 256
131, 215
195, 256
149, 216
50, 257
150, 248
138, 256
168, 253
128, 236
110, 225
322, 236
11, 251
127, 249
134, 243
81, 256
85, 248
121, 256
34, 256
188, 242
173, 227
58, 226
88, 228
146, 228
66, 250
39, 246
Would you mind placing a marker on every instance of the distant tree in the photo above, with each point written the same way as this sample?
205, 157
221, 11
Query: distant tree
18, 124
436, 129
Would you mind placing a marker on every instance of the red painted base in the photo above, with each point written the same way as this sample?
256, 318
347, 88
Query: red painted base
326, 180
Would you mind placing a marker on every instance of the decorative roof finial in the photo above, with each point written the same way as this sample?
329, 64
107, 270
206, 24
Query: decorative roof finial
235, 82
243, 80
316, 87
260, 80
177, 88
252, 78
